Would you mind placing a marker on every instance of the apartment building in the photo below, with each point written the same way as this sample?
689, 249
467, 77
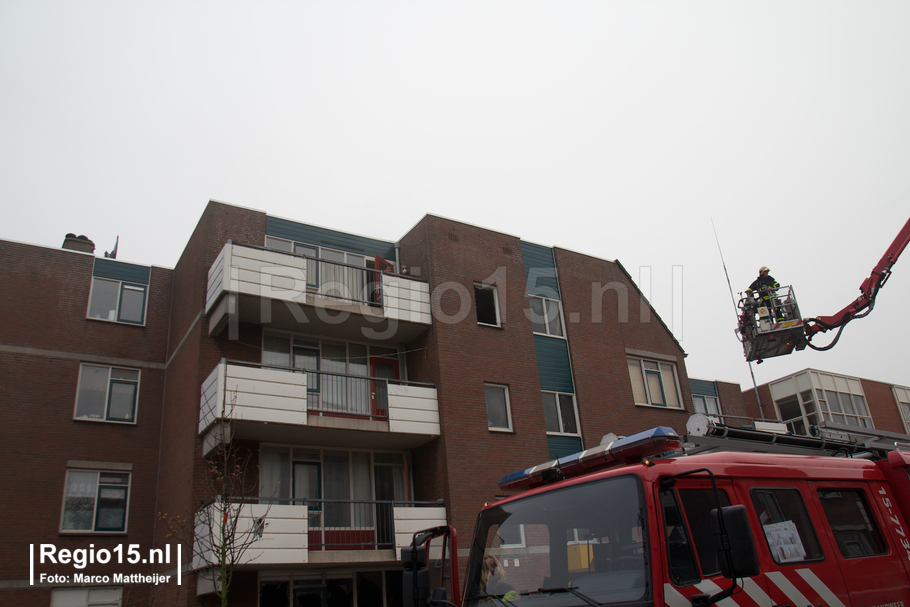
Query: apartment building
377, 387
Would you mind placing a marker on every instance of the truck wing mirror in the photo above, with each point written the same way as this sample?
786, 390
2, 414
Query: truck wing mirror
735, 543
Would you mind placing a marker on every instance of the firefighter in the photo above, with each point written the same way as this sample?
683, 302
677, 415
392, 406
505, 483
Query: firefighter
767, 288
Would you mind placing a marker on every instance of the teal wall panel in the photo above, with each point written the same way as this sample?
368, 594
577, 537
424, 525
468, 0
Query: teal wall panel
118, 270
702, 387
553, 366
561, 446
300, 232
539, 260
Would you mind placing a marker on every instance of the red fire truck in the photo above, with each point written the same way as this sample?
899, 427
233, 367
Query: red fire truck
625, 524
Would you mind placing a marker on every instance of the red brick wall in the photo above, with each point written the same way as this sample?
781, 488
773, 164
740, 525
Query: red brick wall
598, 339
882, 406
731, 399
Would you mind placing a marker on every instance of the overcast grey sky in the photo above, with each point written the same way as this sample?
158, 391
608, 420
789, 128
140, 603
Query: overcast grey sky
619, 129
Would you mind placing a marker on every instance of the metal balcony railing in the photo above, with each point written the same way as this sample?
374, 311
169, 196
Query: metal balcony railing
337, 524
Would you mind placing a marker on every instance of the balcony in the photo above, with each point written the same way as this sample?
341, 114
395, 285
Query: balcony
310, 531
289, 291
282, 404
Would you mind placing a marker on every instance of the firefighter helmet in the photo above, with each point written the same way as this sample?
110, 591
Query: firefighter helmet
764, 269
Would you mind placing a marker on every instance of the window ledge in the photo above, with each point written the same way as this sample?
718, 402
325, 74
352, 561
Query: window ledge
103, 421
502, 430
675, 409
88, 532
483, 324
116, 322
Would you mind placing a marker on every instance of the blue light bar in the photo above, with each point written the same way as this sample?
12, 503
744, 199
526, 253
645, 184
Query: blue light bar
649, 443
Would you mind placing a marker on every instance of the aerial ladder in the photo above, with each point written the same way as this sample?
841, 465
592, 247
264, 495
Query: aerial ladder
772, 326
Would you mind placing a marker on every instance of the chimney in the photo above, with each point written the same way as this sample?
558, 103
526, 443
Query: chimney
78, 243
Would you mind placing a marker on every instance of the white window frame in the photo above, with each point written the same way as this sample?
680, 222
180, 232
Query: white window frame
704, 408
97, 499
644, 377
508, 405
123, 284
107, 397
547, 304
479, 286
559, 414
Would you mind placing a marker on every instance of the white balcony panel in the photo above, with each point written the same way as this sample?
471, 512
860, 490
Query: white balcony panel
413, 410
409, 521
265, 395
258, 272
211, 399
284, 538
406, 299
253, 394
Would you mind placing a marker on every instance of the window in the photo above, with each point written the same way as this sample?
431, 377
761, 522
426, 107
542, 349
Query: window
698, 504
87, 597
786, 524
902, 396
332, 277
95, 500
706, 404
107, 394
499, 417
117, 301
851, 524
559, 413
545, 316
487, 302
654, 383
842, 408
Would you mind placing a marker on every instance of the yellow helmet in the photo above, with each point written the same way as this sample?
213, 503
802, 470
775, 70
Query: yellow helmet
764, 269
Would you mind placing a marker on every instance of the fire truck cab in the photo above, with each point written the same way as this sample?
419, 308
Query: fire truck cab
619, 525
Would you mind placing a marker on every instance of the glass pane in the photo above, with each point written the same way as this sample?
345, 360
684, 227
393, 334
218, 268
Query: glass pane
92, 392
567, 409
306, 484
497, 413
363, 489
698, 504
276, 350
537, 315
680, 559
278, 245
713, 407
786, 524
846, 403
334, 388
79, 504
638, 384
553, 318
550, 416
834, 402
852, 525
860, 403
130, 374
132, 304
359, 389
273, 474
111, 509
123, 401
337, 485
369, 589
389, 458
105, 294
669, 384
655, 389
699, 402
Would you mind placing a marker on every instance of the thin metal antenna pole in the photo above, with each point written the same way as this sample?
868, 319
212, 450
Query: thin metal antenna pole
761, 408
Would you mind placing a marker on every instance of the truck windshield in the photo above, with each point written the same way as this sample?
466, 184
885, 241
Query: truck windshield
580, 545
